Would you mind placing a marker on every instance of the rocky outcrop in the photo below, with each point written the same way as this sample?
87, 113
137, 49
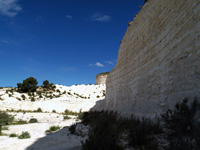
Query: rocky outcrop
101, 78
159, 59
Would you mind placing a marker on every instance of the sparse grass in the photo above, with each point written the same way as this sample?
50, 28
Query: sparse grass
20, 122
24, 111
81, 96
66, 117
52, 129
24, 135
68, 112
4, 128
2, 134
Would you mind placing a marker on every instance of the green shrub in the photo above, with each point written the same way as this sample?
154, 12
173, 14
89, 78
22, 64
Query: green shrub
5, 119
18, 98
29, 94
110, 127
52, 129
141, 133
24, 135
48, 86
104, 133
53, 111
13, 135
182, 126
64, 92
28, 85
33, 120
38, 110
32, 99
23, 96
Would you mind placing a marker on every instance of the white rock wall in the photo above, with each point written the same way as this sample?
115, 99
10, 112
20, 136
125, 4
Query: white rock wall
101, 79
159, 59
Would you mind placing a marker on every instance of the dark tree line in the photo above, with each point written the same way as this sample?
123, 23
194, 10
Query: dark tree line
30, 85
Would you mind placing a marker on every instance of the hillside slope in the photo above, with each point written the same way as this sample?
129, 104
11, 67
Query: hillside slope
73, 98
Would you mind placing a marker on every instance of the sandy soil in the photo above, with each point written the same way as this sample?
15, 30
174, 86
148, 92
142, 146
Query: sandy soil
76, 98
59, 140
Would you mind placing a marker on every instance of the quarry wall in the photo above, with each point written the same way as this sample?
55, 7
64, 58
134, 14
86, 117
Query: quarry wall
158, 61
101, 78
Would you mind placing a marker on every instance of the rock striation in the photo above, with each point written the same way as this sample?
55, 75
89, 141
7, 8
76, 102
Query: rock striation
158, 61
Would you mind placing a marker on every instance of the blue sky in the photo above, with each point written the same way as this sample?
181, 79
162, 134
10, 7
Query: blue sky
64, 41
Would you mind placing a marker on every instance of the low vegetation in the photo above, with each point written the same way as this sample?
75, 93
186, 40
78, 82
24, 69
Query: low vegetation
183, 126
48, 86
25, 111
19, 122
52, 129
114, 130
5, 119
24, 135
179, 130
33, 120
68, 112
13, 135
65, 117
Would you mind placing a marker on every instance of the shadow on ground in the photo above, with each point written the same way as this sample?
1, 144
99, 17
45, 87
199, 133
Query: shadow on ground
62, 139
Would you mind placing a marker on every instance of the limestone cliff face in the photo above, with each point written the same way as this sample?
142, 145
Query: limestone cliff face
101, 78
159, 59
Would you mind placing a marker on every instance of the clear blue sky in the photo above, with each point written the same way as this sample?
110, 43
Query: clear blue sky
64, 41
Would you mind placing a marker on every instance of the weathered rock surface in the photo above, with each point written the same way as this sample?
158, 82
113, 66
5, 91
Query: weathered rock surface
101, 78
159, 59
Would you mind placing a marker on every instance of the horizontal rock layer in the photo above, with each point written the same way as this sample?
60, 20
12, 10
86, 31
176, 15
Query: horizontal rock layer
159, 59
